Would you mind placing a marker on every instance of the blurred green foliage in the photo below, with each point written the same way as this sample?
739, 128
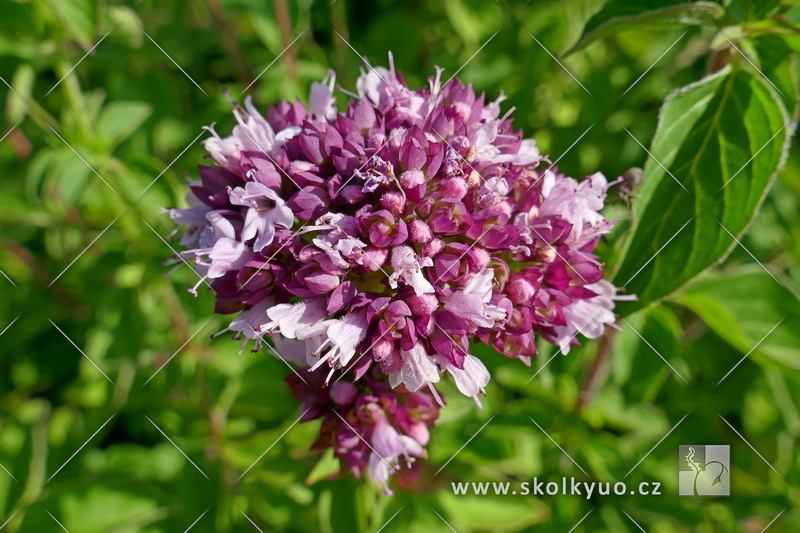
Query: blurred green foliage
128, 108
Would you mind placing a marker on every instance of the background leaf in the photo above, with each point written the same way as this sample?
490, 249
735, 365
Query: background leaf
742, 307
744, 10
119, 120
778, 64
621, 15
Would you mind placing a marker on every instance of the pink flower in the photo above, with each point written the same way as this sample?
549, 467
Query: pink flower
471, 379
292, 319
265, 211
381, 227
321, 101
472, 303
577, 203
371, 427
227, 255
388, 447
418, 369
589, 316
194, 219
408, 268
253, 133
343, 336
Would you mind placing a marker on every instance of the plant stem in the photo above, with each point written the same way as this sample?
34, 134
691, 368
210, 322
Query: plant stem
227, 33
598, 367
285, 23
36, 471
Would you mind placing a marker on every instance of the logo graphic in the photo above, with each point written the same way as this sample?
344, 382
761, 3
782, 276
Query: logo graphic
704, 471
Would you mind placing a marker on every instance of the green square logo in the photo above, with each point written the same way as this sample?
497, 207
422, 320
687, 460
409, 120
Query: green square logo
704, 470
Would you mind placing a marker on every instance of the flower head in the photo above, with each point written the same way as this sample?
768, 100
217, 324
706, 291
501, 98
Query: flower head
374, 243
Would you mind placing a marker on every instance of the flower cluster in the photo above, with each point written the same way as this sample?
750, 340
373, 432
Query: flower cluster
370, 426
384, 239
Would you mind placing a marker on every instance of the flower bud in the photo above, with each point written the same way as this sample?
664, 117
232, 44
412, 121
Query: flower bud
411, 179
455, 188
396, 138
422, 304
433, 248
343, 392
387, 355
317, 280
382, 228
297, 166
481, 257
353, 194
376, 141
418, 431
519, 289
419, 231
393, 201
546, 254
373, 258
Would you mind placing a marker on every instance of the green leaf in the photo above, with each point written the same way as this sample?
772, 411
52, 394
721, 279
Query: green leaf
69, 177
126, 22
38, 169
17, 18
622, 15
120, 119
636, 365
744, 10
723, 140
473, 21
161, 462
484, 513
777, 63
96, 508
326, 467
77, 16
793, 15
17, 103
742, 307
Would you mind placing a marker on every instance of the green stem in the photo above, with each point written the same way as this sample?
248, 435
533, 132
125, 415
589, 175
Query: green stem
36, 471
74, 97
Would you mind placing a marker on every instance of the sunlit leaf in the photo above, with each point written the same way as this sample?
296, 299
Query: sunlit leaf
704, 182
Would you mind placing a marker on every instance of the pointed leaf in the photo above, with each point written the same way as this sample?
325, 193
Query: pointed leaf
723, 140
